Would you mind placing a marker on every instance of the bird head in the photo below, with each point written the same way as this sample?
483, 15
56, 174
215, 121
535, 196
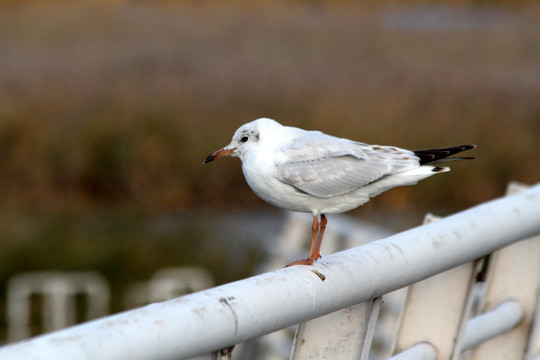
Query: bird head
243, 141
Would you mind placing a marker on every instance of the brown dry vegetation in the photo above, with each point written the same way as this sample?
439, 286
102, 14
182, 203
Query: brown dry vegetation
120, 105
117, 106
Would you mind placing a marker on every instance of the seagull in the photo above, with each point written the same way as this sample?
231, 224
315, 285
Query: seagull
309, 171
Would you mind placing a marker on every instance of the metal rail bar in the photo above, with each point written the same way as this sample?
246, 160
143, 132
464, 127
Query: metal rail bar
479, 329
226, 315
420, 351
495, 322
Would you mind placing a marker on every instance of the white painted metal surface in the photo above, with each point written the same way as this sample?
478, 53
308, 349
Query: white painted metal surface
436, 309
420, 351
513, 274
342, 335
220, 317
343, 232
492, 323
534, 343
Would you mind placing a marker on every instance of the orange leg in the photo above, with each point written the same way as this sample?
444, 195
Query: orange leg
317, 233
317, 253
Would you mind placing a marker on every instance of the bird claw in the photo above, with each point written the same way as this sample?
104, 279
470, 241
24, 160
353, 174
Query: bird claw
301, 262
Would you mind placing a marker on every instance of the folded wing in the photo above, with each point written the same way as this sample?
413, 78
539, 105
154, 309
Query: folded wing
329, 166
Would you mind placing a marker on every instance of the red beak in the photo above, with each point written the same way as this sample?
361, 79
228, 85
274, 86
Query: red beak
217, 154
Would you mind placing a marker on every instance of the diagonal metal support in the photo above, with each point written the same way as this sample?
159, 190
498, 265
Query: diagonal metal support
342, 335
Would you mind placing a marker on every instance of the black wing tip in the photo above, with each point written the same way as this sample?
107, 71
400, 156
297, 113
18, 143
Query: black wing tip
429, 156
466, 147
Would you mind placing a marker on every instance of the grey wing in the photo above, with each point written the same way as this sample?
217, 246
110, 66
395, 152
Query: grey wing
340, 172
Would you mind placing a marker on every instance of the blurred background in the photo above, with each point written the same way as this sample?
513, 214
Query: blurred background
108, 108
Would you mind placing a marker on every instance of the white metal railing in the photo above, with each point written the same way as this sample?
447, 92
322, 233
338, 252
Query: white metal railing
58, 291
490, 324
218, 318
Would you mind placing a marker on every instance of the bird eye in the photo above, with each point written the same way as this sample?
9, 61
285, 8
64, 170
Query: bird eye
244, 139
